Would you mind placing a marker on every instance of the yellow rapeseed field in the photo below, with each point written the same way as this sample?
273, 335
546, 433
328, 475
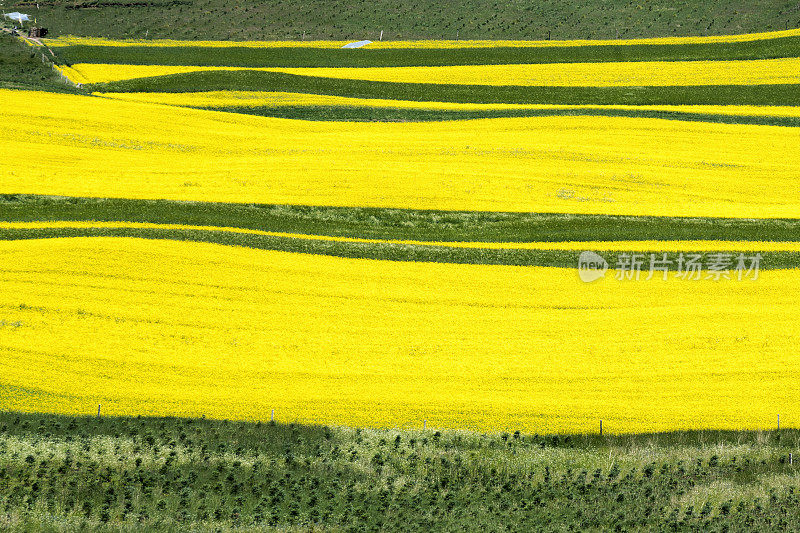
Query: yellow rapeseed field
177, 328
68, 40
278, 99
622, 246
102, 73
74, 145
605, 74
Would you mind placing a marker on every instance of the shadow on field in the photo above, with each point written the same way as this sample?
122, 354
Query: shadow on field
274, 437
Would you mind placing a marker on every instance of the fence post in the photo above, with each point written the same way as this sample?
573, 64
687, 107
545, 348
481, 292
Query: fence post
424, 424
272, 416
98, 410
601, 427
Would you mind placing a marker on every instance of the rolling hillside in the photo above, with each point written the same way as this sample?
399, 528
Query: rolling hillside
473, 19
449, 324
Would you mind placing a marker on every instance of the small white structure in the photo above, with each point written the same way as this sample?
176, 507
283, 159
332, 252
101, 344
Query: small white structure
19, 17
357, 44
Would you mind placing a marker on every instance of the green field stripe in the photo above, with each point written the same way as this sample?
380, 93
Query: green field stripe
397, 224
378, 251
238, 56
395, 114
250, 80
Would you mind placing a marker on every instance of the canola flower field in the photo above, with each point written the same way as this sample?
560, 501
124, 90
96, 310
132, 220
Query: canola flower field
169, 328
610, 74
589, 165
390, 235
606, 74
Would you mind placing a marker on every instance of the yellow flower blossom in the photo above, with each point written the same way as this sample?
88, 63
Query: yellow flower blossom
102, 73
604, 74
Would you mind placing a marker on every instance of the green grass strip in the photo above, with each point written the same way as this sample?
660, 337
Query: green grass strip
239, 56
397, 224
386, 251
394, 114
222, 80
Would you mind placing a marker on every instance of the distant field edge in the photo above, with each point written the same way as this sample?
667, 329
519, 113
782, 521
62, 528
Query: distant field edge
284, 56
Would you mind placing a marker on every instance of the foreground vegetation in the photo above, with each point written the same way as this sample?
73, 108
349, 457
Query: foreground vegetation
80, 473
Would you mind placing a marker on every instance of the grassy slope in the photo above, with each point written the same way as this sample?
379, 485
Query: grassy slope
472, 19
366, 57
83, 473
21, 68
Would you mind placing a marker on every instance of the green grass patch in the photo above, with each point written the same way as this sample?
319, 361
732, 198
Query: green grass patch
365, 57
178, 474
222, 80
397, 224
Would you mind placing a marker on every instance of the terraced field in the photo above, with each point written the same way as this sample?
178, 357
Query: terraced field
401, 228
